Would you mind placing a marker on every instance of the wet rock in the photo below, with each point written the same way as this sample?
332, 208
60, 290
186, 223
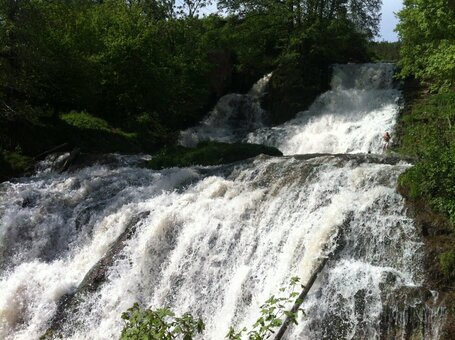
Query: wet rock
412, 313
76, 160
293, 87
360, 158
69, 303
72, 157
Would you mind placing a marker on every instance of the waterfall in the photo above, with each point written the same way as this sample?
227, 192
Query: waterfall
231, 119
351, 118
218, 241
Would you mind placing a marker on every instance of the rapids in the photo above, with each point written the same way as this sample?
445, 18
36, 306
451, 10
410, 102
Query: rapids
218, 241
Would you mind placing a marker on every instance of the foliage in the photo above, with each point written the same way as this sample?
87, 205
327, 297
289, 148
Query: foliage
13, 164
447, 263
427, 33
160, 324
123, 61
84, 120
299, 13
118, 59
163, 324
92, 133
386, 51
209, 153
430, 136
273, 311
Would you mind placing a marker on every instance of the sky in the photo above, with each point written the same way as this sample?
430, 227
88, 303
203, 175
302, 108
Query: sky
389, 21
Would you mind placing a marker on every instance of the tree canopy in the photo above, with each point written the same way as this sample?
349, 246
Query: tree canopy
365, 14
427, 32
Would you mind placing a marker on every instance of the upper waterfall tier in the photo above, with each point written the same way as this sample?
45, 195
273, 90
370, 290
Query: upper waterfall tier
363, 76
351, 118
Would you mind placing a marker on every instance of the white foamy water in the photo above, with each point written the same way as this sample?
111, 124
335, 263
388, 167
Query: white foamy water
351, 118
216, 242
218, 247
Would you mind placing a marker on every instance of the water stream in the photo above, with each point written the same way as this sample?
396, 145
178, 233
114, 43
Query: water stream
218, 241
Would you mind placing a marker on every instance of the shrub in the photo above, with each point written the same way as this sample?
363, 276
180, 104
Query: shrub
164, 325
159, 324
84, 120
94, 134
13, 164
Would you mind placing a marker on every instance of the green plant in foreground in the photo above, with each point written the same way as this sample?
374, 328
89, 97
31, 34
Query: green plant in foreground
163, 324
273, 311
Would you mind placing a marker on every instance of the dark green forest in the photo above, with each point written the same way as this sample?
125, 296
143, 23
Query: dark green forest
126, 76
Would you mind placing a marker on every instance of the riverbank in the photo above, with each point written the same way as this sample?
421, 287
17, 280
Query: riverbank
425, 132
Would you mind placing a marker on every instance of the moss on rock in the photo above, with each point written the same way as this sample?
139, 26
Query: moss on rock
13, 164
209, 153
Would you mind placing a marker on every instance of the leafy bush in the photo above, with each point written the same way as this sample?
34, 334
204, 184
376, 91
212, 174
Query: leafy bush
209, 153
427, 32
385, 51
160, 324
163, 324
94, 134
273, 311
151, 133
84, 120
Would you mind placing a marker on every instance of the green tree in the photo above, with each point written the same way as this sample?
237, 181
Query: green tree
427, 33
365, 14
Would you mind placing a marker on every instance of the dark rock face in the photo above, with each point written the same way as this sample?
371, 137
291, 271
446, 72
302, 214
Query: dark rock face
360, 158
221, 72
68, 304
437, 236
412, 313
293, 88
77, 160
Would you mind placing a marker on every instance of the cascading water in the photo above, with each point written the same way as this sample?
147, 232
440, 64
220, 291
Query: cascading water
351, 118
218, 241
232, 118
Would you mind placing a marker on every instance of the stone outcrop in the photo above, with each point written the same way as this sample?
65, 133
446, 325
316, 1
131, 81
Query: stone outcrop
96, 276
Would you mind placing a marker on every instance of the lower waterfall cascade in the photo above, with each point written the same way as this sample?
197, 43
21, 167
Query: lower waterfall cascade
218, 241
